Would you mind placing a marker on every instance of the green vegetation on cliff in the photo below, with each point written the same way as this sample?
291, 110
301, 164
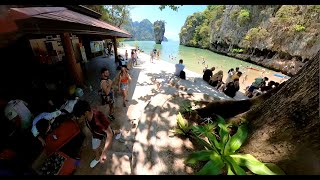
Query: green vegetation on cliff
198, 26
273, 36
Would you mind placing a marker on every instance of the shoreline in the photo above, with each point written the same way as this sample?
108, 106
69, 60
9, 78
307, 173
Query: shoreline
250, 73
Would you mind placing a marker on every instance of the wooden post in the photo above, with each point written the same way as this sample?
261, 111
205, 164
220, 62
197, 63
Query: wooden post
74, 68
114, 41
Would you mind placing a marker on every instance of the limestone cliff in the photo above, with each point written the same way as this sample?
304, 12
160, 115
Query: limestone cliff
279, 37
159, 29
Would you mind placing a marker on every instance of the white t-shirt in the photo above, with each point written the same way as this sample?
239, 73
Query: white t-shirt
68, 106
229, 78
44, 115
179, 68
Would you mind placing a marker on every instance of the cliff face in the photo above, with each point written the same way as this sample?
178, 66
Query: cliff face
141, 31
159, 29
278, 37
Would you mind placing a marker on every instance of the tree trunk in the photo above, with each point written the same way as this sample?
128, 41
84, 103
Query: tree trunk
285, 129
230, 108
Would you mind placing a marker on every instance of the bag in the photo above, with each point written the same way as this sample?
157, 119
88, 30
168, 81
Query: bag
182, 75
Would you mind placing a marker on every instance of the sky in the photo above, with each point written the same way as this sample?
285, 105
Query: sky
174, 19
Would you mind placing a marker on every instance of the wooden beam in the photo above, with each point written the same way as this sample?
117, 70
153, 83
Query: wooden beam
114, 41
74, 68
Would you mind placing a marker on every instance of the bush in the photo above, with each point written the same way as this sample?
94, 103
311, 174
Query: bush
299, 28
244, 16
237, 50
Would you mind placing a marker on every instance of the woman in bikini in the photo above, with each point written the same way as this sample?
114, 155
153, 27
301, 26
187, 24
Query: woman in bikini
124, 79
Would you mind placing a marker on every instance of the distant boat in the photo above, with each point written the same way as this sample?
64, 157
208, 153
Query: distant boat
282, 76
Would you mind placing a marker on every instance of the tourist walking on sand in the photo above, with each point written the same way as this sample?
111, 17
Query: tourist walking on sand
135, 55
126, 54
99, 126
106, 91
151, 56
158, 54
124, 79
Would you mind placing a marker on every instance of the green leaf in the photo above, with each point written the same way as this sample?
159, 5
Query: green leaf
274, 168
226, 150
238, 138
253, 164
181, 122
203, 130
204, 143
212, 138
237, 169
199, 156
223, 132
224, 135
207, 131
213, 167
178, 131
220, 120
229, 170
198, 130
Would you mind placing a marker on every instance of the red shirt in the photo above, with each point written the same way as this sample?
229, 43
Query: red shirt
98, 125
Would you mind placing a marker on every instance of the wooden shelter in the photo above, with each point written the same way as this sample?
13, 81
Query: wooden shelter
22, 24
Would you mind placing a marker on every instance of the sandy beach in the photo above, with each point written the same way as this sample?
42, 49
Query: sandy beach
246, 79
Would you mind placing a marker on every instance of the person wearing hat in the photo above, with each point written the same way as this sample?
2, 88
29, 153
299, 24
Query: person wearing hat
17, 111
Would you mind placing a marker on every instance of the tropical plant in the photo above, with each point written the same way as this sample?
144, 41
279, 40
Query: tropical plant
221, 155
183, 127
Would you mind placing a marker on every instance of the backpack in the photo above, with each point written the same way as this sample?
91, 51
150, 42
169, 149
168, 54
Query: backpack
182, 75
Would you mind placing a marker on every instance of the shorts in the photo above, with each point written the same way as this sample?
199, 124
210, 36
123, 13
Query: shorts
251, 88
123, 86
108, 99
97, 142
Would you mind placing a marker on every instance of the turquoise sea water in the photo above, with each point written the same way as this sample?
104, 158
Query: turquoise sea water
191, 56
